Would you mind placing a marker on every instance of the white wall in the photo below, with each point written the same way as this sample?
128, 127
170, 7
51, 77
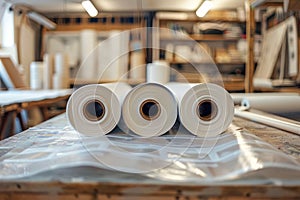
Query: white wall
7, 28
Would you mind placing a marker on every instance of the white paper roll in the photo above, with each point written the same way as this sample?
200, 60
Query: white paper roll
150, 109
124, 55
113, 56
270, 120
205, 110
58, 82
158, 72
48, 71
183, 53
273, 104
238, 97
137, 65
88, 42
96, 109
61, 71
169, 52
36, 75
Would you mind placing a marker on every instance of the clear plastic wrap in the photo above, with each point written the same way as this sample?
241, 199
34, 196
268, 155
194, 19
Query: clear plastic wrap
184, 157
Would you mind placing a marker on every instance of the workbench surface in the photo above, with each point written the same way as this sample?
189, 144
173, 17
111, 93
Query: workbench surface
90, 182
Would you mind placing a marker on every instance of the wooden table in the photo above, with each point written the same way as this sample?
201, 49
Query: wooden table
9, 112
14, 101
86, 182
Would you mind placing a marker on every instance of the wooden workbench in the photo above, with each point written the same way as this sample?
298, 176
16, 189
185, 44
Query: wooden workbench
86, 182
14, 101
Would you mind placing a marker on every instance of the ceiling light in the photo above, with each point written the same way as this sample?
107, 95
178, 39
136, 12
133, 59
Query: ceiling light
90, 8
204, 8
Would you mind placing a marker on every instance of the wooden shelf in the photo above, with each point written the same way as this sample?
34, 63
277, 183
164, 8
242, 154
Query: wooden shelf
89, 81
213, 42
211, 37
279, 89
231, 82
207, 63
211, 16
199, 37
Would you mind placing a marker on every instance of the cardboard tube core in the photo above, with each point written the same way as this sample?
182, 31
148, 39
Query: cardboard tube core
207, 110
94, 110
150, 109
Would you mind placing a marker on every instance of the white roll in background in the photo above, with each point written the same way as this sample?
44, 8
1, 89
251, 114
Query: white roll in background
61, 74
273, 104
182, 53
137, 65
113, 56
88, 42
169, 55
205, 109
95, 109
150, 109
36, 75
48, 71
158, 72
238, 97
123, 58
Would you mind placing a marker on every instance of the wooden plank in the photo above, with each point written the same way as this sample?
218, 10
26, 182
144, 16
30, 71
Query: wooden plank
279, 89
294, 5
250, 31
98, 27
44, 102
13, 73
211, 16
154, 191
198, 37
212, 37
207, 63
266, 3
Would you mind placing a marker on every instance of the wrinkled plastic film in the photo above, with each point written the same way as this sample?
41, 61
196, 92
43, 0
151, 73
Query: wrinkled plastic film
229, 156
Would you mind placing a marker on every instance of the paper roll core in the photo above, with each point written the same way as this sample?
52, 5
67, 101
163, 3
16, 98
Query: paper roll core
94, 110
207, 110
150, 109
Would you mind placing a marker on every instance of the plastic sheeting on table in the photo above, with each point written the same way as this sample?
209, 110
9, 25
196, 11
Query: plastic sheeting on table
172, 157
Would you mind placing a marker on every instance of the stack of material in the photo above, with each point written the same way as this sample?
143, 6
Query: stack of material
52, 73
274, 67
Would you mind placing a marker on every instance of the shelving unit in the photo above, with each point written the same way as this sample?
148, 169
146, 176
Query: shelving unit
104, 26
213, 45
251, 5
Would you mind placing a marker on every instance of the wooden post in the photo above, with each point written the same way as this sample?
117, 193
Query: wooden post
250, 32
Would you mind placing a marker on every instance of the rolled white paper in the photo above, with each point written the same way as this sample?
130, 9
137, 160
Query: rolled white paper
61, 71
150, 109
287, 125
169, 52
88, 42
205, 109
96, 109
36, 75
273, 104
137, 65
48, 71
158, 72
182, 53
113, 56
238, 97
